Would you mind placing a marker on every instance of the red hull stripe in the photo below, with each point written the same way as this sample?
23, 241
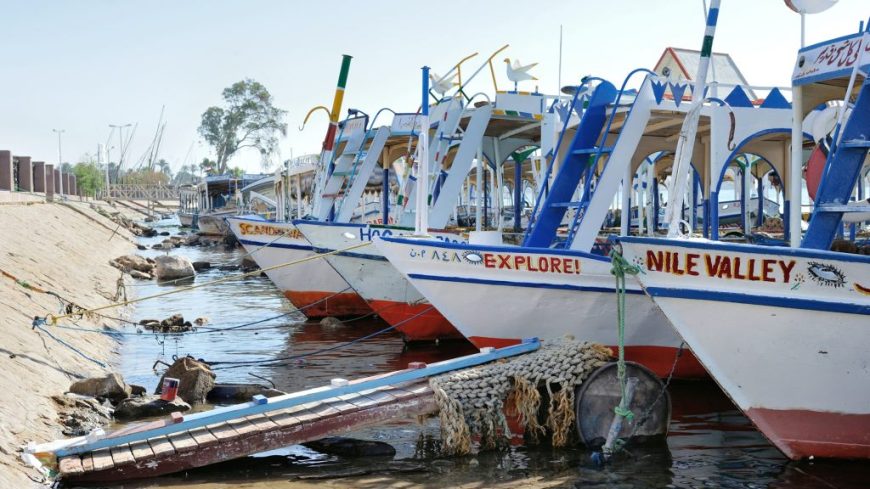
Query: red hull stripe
801, 433
656, 358
428, 326
328, 304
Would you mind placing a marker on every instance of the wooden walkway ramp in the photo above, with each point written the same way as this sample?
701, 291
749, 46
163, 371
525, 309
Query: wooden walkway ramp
182, 442
247, 435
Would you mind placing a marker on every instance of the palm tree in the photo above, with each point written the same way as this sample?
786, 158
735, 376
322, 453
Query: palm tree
164, 167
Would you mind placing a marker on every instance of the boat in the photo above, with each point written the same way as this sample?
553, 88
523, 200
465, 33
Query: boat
783, 330
311, 286
207, 205
553, 285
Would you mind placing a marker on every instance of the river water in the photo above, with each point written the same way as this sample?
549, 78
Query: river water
711, 444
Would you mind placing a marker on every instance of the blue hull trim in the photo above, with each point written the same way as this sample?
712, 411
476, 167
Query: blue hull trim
531, 285
784, 302
276, 245
351, 254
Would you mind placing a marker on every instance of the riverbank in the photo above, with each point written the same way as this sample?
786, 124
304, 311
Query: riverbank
65, 249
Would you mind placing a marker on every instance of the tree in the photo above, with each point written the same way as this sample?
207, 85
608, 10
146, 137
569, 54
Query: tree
89, 177
248, 120
163, 167
208, 167
186, 175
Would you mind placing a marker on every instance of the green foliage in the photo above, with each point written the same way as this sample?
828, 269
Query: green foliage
163, 167
89, 177
208, 167
145, 177
186, 175
247, 120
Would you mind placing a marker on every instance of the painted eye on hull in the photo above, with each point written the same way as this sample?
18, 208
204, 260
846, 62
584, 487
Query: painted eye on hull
825, 274
472, 257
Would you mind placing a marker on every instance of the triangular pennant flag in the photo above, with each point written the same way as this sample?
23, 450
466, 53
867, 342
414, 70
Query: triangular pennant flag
658, 89
678, 90
775, 100
562, 109
738, 98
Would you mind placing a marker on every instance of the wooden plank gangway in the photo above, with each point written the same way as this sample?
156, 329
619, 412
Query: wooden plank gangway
182, 442
247, 435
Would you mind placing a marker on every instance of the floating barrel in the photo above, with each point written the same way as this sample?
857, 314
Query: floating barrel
596, 397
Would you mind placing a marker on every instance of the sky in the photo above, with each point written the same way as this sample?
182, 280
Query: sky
80, 65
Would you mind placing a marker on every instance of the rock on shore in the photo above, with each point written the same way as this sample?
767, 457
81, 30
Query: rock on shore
195, 379
148, 406
171, 267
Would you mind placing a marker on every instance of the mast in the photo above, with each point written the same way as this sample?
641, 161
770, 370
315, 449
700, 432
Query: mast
686, 143
421, 226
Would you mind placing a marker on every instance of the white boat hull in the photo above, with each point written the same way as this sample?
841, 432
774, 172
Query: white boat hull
312, 286
377, 281
497, 295
784, 333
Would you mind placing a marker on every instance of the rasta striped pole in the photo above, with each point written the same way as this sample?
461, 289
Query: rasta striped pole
325, 165
421, 227
329, 141
686, 142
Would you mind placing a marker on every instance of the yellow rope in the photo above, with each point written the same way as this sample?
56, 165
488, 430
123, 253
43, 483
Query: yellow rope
52, 319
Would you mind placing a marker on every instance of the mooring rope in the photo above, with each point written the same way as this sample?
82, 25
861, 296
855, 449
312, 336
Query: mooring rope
39, 323
272, 361
202, 330
53, 319
621, 267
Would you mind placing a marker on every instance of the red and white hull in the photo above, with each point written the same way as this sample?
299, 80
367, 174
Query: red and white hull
497, 295
388, 293
313, 286
783, 331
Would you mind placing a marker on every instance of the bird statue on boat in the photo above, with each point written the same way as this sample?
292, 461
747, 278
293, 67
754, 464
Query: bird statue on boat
517, 72
442, 85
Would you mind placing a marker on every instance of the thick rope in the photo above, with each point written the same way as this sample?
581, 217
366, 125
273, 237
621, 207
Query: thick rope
53, 319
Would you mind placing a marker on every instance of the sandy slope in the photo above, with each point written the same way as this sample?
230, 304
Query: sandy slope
58, 249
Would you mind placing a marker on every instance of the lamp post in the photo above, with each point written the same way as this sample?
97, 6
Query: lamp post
59, 160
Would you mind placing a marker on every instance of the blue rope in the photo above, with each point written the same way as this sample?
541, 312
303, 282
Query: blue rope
38, 323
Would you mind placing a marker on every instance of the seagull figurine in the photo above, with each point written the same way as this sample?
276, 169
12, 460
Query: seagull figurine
517, 72
442, 86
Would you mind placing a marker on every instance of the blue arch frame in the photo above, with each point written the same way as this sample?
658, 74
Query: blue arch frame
714, 194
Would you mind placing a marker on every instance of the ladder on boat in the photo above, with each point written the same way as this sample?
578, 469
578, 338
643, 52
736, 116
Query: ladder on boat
842, 171
450, 182
356, 147
358, 176
583, 151
447, 114
589, 146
